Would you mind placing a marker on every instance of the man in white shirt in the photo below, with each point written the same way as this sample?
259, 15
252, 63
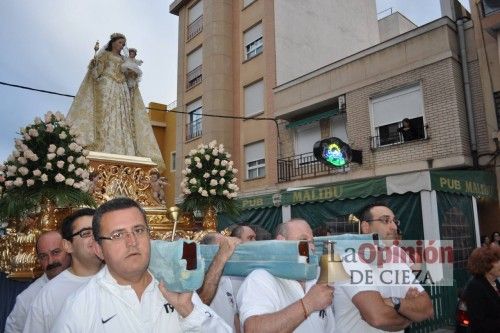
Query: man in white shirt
76, 230
124, 296
54, 260
378, 307
270, 304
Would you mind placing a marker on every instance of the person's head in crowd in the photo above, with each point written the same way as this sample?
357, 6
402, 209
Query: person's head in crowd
406, 123
495, 238
485, 262
322, 230
485, 240
244, 233
295, 229
122, 239
51, 255
212, 238
261, 233
76, 230
378, 218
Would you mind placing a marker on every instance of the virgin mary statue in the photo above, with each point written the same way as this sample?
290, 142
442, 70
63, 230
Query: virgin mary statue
111, 117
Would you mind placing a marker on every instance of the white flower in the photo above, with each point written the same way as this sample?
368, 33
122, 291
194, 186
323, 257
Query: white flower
202, 150
187, 161
214, 172
212, 144
184, 172
85, 175
188, 171
85, 152
221, 149
234, 180
71, 167
12, 168
60, 164
213, 182
235, 171
225, 192
197, 159
33, 132
222, 181
228, 155
51, 156
79, 141
18, 182
78, 171
59, 178
199, 165
187, 191
70, 159
80, 160
23, 171
231, 186
78, 185
37, 173
204, 193
73, 131
206, 175
217, 162
70, 181
50, 128
48, 166
16, 153
207, 157
60, 151
223, 163
48, 117
213, 192
222, 173
30, 182
72, 146
52, 148
200, 189
78, 148
33, 157
37, 121
44, 178
22, 160
215, 152
192, 181
9, 184
63, 135
192, 152
59, 116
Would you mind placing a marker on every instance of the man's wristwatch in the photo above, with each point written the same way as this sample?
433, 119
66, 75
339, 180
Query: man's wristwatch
396, 301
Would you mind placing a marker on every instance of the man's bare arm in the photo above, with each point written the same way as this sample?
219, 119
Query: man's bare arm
377, 313
417, 308
212, 277
288, 319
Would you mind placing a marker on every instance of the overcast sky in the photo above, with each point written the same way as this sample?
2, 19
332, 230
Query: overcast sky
47, 44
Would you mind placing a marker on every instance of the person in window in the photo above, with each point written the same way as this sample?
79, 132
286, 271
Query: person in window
407, 131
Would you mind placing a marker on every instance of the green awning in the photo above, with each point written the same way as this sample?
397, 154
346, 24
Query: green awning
311, 119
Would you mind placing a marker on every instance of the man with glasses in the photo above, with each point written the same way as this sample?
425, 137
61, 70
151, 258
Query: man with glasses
124, 296
379, 305
53, 259
76, 231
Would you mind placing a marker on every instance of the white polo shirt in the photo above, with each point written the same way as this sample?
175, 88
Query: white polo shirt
50, 299
347, 315
105, 306
17, 318
224, 302
262, 293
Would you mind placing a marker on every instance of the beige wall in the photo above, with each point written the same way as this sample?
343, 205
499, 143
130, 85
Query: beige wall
311, 34
394, 25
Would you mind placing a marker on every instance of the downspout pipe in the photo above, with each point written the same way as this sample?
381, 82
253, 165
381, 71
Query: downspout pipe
467, 92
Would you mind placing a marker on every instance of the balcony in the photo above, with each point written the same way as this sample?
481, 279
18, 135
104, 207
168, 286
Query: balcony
195, 28
194, 77
193, 129
396, 138
304, 166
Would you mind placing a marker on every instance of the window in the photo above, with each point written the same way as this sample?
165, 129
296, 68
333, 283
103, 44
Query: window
255, 160
338, 127
195, 20
254, 43
194, 121
173, 156
194, 73
246, 3
390, 111
254, 98
305, 138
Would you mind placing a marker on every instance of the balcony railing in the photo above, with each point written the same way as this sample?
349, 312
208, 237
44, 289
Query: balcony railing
194, 77
396, 139
303, 166
195, 28
193, 129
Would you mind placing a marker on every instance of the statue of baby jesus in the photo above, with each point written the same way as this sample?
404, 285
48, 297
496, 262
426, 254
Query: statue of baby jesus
158, 186
131, 68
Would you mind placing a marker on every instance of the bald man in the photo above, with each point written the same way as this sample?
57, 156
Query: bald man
53, 259
270, 304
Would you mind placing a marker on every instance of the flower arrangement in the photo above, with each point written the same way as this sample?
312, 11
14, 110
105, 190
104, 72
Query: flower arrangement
48, 162
209, 179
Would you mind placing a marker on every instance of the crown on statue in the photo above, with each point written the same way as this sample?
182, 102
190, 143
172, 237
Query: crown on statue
117, 35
